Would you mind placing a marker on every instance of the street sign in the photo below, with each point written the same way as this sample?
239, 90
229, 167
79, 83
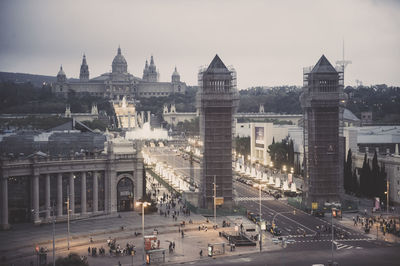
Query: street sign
219, 200
314, 205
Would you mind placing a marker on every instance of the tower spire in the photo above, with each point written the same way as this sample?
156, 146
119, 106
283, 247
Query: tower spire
84, 72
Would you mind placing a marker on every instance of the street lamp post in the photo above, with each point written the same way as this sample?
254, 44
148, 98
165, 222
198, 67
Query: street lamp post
332, 231
332, 235
144, 204
215, 200
54, 230
259, 224
387, 196
68, 210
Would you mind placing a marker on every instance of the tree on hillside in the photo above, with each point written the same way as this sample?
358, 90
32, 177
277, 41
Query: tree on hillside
375, 176
291, 153
355, 185
365, 177
279, 153
348, 174
242, 146
382, 182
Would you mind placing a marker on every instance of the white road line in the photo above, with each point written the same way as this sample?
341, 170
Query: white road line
282, 215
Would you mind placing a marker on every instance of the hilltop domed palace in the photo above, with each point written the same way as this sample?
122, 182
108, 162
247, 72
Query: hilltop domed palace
119, 82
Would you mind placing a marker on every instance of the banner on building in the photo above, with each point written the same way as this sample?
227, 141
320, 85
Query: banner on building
259, 136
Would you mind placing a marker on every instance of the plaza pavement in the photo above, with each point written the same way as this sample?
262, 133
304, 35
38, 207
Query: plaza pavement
17, 245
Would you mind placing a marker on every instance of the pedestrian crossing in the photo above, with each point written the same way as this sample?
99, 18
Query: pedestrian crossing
340, 246
328, 235
326, 240
327, 244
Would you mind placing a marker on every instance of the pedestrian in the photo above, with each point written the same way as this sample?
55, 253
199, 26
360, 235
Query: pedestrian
88, 250
201, 253
199, 228
183, 234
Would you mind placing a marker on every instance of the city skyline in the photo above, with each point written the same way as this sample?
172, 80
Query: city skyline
268, 42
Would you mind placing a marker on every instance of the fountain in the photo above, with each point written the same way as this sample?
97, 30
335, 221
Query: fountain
146, 133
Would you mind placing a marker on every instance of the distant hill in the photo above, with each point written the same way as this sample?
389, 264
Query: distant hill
36, 80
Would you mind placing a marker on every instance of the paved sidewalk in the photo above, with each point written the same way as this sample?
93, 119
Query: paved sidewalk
17, 245
347, 220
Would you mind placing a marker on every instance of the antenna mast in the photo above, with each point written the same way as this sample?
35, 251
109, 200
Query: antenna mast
342, 64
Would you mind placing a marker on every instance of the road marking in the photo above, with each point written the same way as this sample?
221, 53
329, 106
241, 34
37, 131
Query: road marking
282, 215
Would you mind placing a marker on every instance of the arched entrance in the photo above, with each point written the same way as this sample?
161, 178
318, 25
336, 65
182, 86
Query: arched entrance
125, 195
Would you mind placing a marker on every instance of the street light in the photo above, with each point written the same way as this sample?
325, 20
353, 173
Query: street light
387, 197
52, 208
333, 204
68, 210
259, 224
144, 204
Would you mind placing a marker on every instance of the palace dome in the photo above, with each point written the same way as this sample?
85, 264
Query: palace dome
119, 64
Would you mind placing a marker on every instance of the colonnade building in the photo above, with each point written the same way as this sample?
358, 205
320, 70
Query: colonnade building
94, 183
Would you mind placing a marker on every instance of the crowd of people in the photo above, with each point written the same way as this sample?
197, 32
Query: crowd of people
385, 225
115, 249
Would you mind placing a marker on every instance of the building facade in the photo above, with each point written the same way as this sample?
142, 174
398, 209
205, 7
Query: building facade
37, 187
323, 139
263, 134
119, 82
173, 118
217, 101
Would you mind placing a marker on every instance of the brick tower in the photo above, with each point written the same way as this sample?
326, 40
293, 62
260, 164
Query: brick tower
217, 100
322, 101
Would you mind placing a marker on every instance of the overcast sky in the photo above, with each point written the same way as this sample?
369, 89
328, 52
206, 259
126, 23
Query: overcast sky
268, 42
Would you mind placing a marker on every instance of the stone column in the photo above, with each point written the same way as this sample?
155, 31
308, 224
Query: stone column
71, 193
35, 192
4, 203
83, 192
95, 192
47, 195
59, 195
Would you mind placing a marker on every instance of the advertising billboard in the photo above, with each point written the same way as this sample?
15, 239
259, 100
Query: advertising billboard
259, 136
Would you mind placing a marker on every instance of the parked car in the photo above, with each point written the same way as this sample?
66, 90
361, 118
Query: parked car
319, 213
